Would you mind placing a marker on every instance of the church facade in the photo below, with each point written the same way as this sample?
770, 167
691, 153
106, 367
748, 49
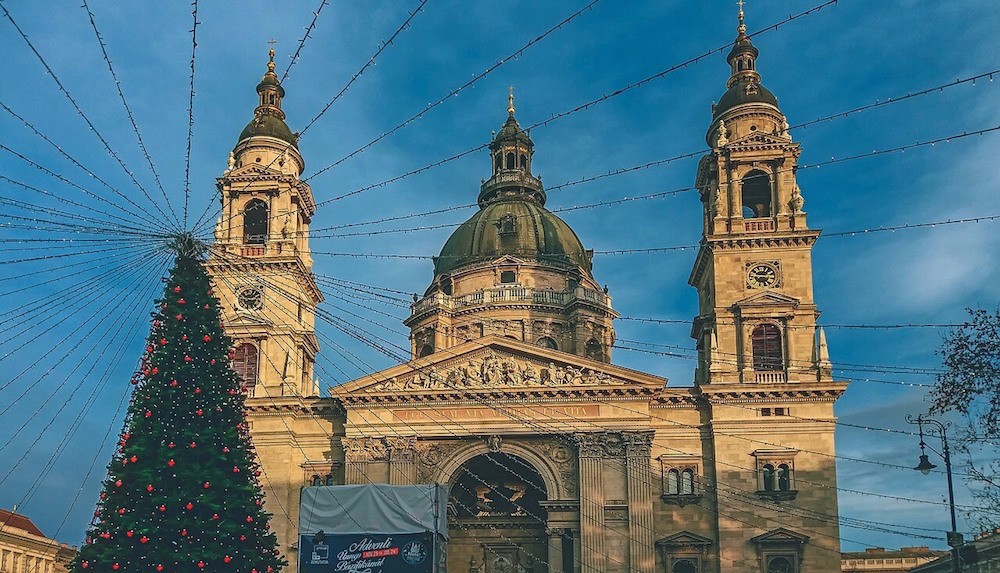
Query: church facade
557, 459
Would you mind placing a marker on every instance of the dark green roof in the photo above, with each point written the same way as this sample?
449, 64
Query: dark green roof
539, 236
737, 95
269, 126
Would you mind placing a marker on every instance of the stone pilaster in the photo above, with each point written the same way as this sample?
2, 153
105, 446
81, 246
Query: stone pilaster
360, 453
593, 554
555, 550
402, 453
642, 558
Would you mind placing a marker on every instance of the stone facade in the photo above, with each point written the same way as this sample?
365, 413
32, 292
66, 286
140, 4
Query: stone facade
557, 459
25, 549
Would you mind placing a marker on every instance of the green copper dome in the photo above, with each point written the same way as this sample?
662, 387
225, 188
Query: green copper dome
518, 227
739, 95
269, 126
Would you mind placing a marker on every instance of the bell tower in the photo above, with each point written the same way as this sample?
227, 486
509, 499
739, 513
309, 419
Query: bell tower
260, 261
757, 319
763, 371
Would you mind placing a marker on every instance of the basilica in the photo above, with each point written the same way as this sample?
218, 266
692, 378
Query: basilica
556, 458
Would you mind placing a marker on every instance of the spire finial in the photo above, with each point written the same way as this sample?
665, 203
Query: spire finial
270, 53
742, 28
510, 100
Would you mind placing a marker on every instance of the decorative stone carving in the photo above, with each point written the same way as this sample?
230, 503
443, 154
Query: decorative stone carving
723, 134
365, 449
638, 444
797, 201
601, 444
495, 370
493, 443
402, 449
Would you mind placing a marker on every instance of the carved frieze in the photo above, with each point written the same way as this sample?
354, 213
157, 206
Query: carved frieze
365, 449
496, 370
607, 444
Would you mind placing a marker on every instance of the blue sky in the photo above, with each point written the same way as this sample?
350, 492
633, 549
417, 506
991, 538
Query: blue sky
847, 55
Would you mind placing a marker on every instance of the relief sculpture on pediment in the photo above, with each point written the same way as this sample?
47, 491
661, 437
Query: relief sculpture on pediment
496, 370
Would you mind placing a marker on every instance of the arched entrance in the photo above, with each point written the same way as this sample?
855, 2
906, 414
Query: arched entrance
496, 522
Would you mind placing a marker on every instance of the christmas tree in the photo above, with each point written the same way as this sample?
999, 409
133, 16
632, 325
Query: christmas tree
182, 493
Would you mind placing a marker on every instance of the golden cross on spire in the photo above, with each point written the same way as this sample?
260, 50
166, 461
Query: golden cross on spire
510, 100
742, 26
271, 43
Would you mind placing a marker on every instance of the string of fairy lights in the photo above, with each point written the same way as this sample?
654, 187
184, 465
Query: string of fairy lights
333, 317
126, 250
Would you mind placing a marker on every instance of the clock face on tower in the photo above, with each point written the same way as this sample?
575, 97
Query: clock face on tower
762, 275
250, 299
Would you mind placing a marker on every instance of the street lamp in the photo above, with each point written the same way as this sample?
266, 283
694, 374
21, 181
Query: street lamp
925, 466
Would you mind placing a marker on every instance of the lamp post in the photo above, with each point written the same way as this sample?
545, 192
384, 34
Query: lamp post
925, 466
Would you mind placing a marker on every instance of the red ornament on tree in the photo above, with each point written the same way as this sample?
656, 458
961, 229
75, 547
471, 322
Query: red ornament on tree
187, 358
115, 566
180, 317
227, 559
207, 338
171, 462
143, 539
118, 483
189, 506
201, 564
207, 485
149, 488
177, 288
199, 411
129, 533
181, 301
134, 459
163, 342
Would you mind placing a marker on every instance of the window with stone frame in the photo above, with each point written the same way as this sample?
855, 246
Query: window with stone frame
780, 550
776, 474
679, 482
683, 552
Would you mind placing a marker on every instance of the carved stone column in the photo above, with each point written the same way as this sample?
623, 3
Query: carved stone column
359, 453
402, 452
642, 555
593, 555
555, 550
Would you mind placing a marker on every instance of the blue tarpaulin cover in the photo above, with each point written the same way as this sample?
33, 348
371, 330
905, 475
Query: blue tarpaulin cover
374, 508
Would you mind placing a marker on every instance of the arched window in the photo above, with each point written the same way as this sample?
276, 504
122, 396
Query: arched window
547, 342
687, 482
766, 342
524, 161
510, 161
425, 350
245, 364
594, 350
673, 482
255, 222
784, 478
683, 566
740, 65
779, 565
756, 194
316, 480
767, 476
329, 480
497, 162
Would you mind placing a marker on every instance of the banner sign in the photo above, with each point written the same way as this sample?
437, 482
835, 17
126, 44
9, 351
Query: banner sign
366, 553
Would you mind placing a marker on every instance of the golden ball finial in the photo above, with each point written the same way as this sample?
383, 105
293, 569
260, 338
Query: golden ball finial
270, 54
510, 100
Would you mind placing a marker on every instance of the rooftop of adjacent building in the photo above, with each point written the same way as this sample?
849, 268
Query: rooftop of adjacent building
882, 552
18, 521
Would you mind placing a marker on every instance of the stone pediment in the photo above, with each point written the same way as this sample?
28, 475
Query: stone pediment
508, 260
759, 139
497, 365
780, 536
243, 320
767, 298
684, 539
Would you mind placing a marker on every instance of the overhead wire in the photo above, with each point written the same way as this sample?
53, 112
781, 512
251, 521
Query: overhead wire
305, 36
370, 62
80, 112
128, 111
475, 78
190, 130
